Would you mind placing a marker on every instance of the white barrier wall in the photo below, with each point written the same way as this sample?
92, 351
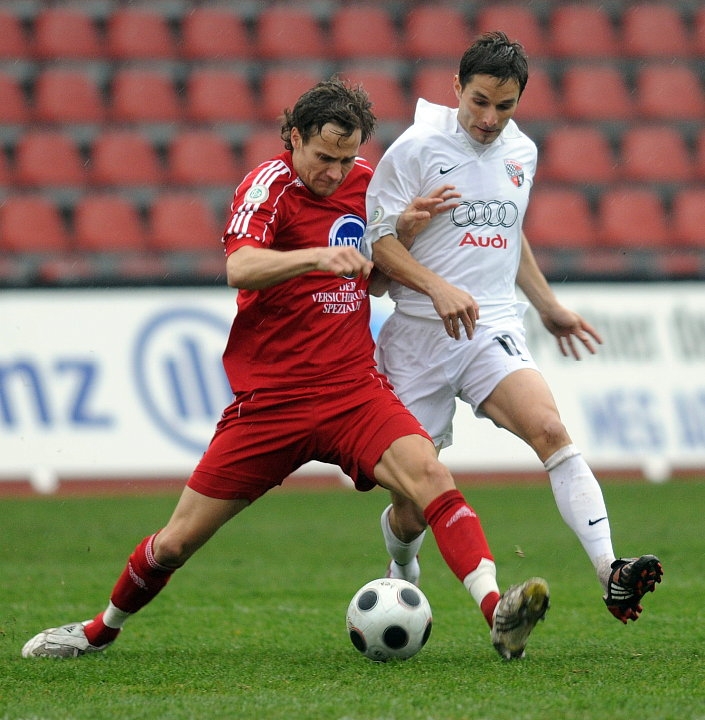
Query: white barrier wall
128, 383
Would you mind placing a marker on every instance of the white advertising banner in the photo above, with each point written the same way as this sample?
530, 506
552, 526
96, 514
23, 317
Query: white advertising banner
128, 383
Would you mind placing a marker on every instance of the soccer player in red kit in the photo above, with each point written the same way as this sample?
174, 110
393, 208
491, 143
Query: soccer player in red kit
300, 361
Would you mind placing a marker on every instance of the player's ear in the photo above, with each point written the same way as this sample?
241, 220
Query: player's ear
457, 87
296, 139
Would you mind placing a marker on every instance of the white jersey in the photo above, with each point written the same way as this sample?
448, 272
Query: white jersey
477, 246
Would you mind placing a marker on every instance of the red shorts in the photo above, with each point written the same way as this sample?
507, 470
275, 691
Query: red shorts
264, 436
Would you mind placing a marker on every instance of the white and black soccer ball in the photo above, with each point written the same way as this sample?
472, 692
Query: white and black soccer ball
389, 618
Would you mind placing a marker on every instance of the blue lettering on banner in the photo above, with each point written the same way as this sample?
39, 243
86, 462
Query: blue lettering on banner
179, 374
626, 420
690, 411
33, 392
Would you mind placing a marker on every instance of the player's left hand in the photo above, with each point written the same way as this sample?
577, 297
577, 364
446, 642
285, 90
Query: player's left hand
567, 326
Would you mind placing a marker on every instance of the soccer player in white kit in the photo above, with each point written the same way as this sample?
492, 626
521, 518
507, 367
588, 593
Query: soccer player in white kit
457, 328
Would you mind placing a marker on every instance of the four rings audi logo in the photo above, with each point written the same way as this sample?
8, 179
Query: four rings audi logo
478, 213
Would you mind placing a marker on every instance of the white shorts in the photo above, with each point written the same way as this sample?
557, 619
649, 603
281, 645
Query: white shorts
429, 369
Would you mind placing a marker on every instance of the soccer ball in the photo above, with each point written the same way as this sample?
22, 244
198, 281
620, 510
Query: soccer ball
389, 618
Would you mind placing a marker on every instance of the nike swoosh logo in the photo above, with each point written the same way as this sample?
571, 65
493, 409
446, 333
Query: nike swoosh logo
594, 522
447, 170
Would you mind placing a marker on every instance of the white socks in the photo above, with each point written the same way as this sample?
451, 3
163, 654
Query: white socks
404, 563
482, 581
114, 617
579, 499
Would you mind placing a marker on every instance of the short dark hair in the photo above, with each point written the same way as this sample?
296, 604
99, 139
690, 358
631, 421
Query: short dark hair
330, 101
493, 53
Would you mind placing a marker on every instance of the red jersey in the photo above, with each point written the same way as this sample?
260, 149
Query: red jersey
314, 328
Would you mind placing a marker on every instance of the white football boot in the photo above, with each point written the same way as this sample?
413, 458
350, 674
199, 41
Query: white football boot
66, 641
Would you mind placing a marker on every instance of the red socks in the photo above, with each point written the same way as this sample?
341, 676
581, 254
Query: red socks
458, 533
141, 581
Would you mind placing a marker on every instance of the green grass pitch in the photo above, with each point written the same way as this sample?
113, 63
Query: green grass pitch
253, 627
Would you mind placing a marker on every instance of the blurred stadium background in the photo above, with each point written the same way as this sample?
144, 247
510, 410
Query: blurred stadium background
126, 125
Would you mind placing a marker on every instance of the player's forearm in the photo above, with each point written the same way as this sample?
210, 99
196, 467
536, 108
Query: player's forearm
250, 268
532, 281
396, 262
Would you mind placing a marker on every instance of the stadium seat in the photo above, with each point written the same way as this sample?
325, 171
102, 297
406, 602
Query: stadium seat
363, 31
13, 42
539, 101
581, 31
139, 34
559, 218
201, 157
32, 224
699, 158
65, 33
688, 217
219, 95
48, 158
654, 29
214, 33
183, 222
631, 218
576, 154
698, 25
124, 157
143, 95
6, 178
389, 102
518, 21
107, 223
13, 107
654, 153
434, 82
286, 33
261, 145
65, 95
667, 91
595, 92
281, 87
436, 32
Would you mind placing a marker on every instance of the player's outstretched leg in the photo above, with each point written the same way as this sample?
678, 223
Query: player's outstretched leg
516, 615
629, 581
67, 641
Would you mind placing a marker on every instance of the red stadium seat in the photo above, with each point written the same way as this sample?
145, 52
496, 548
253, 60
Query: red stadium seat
389, 103
576, 154
65, 33
183, 222
214, 33
688, 217
32, 224
632, 218
219, 95
539, 101
518, 21
261, 145
289, 33
124, 157
655, 29
281, 87
48, 158
13, 42
665, 91
13, 107
436, 32
434, 82
139, 34
595, 92
363, 31
559, 218
581, 31
655, 153
64, 95
107, 223
201, 157
144, 95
